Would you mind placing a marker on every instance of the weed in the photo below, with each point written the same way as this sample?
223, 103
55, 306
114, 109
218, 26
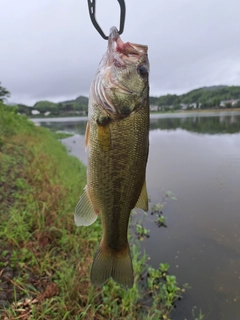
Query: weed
200, 315
141, 232
160, 221
171, 195
157, 208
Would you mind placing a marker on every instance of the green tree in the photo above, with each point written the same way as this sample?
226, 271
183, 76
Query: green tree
228, 105
216, 102
177, 107
23, 109
44, 106
4, 93
237, 105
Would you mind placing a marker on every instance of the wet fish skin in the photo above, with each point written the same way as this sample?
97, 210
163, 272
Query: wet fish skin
117, 142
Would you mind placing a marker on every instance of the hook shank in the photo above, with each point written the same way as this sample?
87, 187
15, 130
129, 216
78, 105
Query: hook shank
92, 10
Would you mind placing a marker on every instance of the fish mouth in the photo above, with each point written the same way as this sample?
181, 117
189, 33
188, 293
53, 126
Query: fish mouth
123, 53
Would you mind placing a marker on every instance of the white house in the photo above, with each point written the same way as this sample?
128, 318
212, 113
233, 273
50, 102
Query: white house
153, 108
235, 102
232, 102
183, 106
35, 112
193, 105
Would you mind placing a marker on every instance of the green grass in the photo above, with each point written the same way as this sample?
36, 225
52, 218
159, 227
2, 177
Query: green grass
48, 256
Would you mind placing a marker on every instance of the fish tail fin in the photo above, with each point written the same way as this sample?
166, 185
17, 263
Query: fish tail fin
115, 264
122, 269
101, 268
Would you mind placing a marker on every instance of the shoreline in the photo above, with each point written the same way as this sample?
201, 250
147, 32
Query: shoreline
153, 115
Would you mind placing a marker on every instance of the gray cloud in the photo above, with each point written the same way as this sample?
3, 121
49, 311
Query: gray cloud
50, 50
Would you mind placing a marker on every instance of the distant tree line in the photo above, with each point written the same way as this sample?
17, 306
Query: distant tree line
71, 107
204, 98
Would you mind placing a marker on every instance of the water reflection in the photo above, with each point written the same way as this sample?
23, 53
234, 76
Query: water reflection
211, 125
76, 127
202, 239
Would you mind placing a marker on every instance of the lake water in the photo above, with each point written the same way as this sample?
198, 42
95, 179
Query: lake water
197, 158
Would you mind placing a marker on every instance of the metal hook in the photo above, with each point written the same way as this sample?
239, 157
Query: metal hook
92, 9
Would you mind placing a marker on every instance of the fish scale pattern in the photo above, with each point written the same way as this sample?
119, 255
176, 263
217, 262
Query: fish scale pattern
115, 177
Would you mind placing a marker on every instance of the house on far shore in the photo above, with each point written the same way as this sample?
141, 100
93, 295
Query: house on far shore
183, 106
224, 102
153, 108
193, 105
35, 112
233, 102
47, 113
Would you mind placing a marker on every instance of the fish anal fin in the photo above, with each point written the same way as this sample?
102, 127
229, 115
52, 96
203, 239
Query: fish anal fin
87, 135
85, 214
142, 202
111, 263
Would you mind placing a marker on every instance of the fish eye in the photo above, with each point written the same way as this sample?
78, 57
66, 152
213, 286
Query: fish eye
142, 70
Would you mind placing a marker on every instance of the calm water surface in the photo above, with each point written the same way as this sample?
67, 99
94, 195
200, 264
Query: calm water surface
197, 157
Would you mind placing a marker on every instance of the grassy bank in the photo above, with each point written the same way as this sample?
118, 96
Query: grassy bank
44, 258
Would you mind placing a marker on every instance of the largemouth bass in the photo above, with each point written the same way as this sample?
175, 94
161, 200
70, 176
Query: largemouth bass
117, 142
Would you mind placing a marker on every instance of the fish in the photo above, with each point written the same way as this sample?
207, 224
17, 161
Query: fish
117, 142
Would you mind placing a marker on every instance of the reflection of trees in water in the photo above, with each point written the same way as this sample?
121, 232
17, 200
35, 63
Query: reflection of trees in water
219, 124
73, 127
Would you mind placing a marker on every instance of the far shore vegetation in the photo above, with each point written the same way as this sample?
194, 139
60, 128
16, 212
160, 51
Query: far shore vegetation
44, 257
202, 99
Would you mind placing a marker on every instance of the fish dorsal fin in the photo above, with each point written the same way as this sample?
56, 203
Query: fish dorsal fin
84, 213
142, 202
87, 135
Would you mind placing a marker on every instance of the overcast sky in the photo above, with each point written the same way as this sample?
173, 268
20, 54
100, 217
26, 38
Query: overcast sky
49, 49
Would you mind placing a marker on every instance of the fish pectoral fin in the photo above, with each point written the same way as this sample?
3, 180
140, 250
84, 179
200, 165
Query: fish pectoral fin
142, 202
85, 214
109, 263
87, 135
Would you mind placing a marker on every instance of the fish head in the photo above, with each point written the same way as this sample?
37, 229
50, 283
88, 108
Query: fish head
122, 79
